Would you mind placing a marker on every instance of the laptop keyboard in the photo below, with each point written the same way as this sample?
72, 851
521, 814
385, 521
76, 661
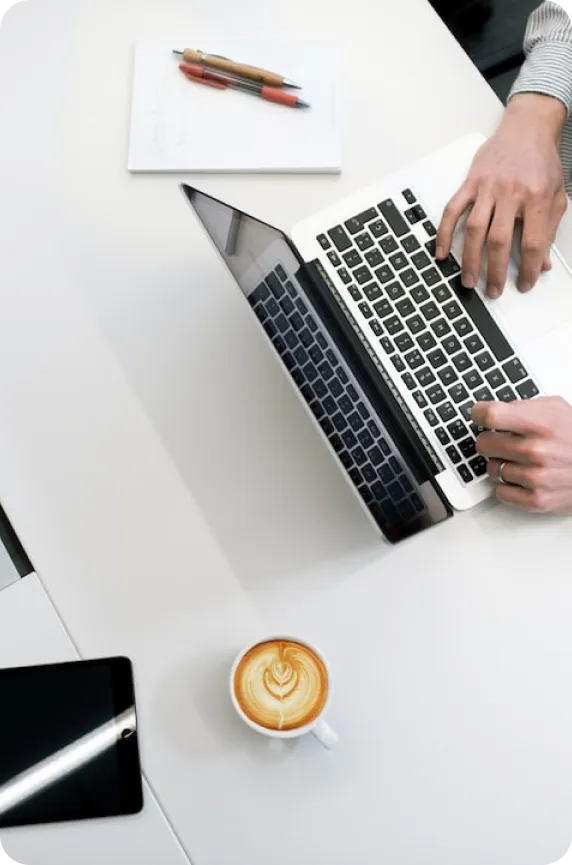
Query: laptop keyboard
441, 339
336, 400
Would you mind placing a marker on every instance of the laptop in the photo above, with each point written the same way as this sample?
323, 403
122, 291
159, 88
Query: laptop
384, 346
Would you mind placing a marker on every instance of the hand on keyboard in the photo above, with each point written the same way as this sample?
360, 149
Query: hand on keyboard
533, 466
517, 174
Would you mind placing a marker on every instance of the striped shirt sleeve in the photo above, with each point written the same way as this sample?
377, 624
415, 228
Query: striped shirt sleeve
548, 49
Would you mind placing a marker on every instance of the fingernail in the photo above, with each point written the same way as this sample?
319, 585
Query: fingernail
524, 287
439, 252
467, 280
494, 291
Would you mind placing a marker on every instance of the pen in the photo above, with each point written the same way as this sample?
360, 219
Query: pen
241, 70
223, 82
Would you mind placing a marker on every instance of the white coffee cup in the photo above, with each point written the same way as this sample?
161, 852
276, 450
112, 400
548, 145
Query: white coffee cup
318, 726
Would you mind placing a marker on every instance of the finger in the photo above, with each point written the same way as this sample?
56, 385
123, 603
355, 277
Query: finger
499, 244
503, 446
512, 473
536, 239
517, 497
515, 417
476, 231
546, 264
451, 216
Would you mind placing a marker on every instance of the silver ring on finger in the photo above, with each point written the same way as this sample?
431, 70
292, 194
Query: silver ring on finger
501, 468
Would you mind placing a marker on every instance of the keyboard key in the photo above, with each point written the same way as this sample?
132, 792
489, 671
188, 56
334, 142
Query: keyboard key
408, 196
365, 439
376, 327
451, 344
404, 307
359, 456
453, 455
393, 217
365, 310
334, 258
304, 336
440, 327
272, 330
452, 310
462, 362
331, 357
393, 325
457, 430
420, 399
323, 241
421, 260
368, 473
430, 277
431, 417
389, 245
410, 243
413, 216
272, 307
458, 393
387, 345
483, 321
386, 474
355, 477
442, 436
352, 258
289, 361
479, 466
446, 412
415, 324
484, 361
430, 311
373, 428
398, 261
474, 344
527, 390
384, 274
394, 291
301, 355
339, 421
363, 410
495, 378
408, 277
355, 421
466, 410
300, 305
448, 267
374, 257
515, 370
326, 371
403, 342
355, 293
506, 394
430, 246
472, 379
395, 491
441, 293
467, 448
290, 289
287, 305
436, 394
465, 474
383, 308
279, 344
414, 359
345, 403
430, 228
353, 393
364, 241
344, 276
447, 376
275, 285
483, 395
320, 339
316, 354
419, 293
463, 326
356, 223
378, 228
373, 291
426, 341
336, 388
398, 362
425, 376
436, 358
376, 456
362, 275
310, 372
339, 238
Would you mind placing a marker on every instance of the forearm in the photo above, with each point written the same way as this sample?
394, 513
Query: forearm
545, 114
547, 69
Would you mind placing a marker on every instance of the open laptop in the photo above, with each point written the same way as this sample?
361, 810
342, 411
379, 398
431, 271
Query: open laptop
385, 347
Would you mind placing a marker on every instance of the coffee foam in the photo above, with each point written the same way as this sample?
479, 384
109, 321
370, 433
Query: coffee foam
281, 685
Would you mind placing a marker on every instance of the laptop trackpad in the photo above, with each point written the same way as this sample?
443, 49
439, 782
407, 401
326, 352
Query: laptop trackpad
550, 357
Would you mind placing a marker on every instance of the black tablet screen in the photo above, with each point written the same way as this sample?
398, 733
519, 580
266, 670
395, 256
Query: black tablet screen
68, 742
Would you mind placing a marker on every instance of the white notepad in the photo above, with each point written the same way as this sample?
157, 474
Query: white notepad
178, 125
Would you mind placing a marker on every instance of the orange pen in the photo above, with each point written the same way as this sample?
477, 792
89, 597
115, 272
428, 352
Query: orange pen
223, 82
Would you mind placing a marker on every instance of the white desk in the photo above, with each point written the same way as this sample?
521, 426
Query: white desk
177, 502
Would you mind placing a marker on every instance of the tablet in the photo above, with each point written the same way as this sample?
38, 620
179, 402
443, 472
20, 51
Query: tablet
68, 742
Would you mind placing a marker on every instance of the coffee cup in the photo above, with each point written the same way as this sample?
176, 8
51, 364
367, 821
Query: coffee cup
281, 687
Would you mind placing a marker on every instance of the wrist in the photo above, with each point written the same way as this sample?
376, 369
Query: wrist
543, 114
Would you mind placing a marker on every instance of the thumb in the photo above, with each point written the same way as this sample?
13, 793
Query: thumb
546, 264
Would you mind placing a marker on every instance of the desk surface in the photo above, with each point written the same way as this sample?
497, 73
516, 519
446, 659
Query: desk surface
177, 502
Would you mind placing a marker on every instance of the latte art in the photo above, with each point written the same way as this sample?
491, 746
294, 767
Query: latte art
281, 685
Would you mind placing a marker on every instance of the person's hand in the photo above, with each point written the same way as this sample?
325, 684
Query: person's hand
517, 174
532, 441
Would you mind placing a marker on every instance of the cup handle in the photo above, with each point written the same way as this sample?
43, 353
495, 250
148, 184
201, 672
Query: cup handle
325, 735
